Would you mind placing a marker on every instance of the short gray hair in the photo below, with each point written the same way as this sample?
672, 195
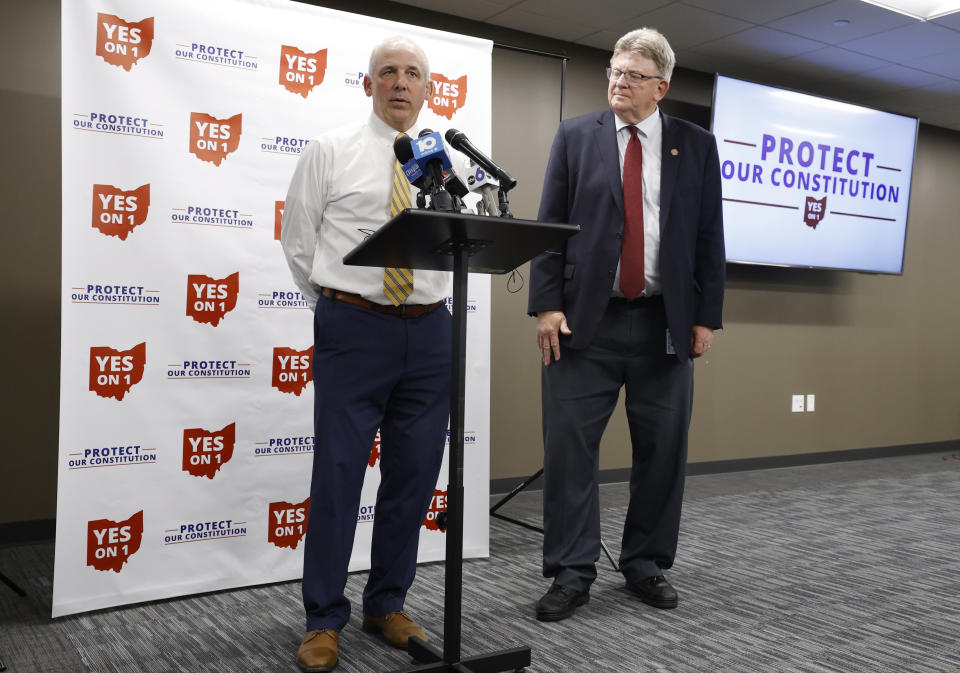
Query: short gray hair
400, 41
651, 43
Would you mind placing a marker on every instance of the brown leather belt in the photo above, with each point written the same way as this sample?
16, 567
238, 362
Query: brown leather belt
403, 310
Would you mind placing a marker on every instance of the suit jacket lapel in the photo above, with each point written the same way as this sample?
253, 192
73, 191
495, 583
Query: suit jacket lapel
606, 140
669, 163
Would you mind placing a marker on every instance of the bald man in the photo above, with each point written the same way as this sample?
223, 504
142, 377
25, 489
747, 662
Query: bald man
382, 343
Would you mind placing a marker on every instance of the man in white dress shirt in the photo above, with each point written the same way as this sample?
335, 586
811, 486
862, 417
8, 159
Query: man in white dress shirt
381, 360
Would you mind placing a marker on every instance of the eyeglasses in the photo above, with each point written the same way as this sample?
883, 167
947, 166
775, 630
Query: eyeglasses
633, 78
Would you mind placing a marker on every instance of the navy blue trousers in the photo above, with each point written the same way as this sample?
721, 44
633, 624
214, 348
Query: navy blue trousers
580, 392
372, 370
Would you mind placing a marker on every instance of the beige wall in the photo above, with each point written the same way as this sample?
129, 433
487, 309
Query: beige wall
878, 351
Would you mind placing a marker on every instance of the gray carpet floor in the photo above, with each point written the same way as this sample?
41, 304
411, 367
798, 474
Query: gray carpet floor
846, 568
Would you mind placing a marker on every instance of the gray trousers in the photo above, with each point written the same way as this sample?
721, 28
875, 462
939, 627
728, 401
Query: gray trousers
580, 392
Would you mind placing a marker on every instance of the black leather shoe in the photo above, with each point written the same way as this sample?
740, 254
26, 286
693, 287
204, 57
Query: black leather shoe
560, 602
655, 591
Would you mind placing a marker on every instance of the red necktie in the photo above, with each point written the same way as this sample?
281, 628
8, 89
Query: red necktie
631, 252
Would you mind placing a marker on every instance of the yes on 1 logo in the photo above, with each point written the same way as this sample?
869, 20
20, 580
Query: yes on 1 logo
110, 544
210, 299
123, 43
437, 505
292, 369
212, 139
287, 523
116, 212
205, 452
113, 373
277, 218
447, 95
375, 451
814, 210
300, 71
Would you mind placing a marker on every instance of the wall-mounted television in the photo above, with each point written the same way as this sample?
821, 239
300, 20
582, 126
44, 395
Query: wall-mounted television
811, 182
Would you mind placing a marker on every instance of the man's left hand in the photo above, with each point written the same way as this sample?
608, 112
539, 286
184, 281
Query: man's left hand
700, 341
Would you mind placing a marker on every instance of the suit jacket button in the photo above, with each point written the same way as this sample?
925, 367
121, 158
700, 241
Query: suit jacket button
619, 235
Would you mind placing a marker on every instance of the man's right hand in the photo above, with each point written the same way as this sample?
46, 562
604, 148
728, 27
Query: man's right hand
550, 324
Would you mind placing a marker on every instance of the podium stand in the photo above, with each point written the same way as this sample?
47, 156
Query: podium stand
462, 243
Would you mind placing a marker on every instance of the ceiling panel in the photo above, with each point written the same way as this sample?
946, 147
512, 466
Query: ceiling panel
561, 29
605, 14
761, 44
911, 100
883, 59
829, 63
604, 39
478, 10
951, 21
817, 23
908, 42
755, 11
939, 95
726, 64
904, 77
689, 26
856, 88
946, 65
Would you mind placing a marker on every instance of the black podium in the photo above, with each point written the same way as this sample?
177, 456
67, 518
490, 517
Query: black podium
462, 243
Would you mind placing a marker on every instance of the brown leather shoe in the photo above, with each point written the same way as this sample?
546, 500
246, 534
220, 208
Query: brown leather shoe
318, 652
396, 628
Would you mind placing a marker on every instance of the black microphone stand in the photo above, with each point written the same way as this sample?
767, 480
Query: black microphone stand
17, 590
504, 204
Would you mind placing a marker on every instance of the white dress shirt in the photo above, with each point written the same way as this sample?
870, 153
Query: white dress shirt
650, 133
339, 195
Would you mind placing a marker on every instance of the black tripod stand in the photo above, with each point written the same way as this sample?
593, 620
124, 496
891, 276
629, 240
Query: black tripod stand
13, 585
17, 590
509, 496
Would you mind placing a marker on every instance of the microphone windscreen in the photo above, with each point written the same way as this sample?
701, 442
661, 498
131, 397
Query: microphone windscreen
402, 149
424, 132
450, 136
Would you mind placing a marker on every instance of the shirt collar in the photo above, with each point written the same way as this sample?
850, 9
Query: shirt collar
383, 130
646, 126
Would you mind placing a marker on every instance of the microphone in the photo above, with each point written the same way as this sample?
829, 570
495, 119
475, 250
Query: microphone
453, 184
481, 181
458, 141
456, 188
403, 150
430, 155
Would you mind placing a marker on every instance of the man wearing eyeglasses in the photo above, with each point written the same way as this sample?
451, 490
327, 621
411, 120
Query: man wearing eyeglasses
629, 301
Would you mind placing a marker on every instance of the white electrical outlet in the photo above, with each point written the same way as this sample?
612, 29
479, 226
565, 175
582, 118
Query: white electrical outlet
797, 403
810, 402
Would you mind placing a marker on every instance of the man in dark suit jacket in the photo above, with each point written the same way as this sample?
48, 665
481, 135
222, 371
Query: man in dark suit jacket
628, 301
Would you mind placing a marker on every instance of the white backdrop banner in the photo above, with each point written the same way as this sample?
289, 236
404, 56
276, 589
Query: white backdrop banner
186, 401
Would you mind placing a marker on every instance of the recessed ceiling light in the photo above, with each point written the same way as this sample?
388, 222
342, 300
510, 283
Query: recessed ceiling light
919, 9
841, 23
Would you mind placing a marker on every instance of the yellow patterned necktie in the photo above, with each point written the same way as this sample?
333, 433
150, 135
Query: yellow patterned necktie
397, 281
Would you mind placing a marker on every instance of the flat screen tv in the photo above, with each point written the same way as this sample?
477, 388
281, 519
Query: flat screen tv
811, 182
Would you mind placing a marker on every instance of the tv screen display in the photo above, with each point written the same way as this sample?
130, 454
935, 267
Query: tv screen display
811, 182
